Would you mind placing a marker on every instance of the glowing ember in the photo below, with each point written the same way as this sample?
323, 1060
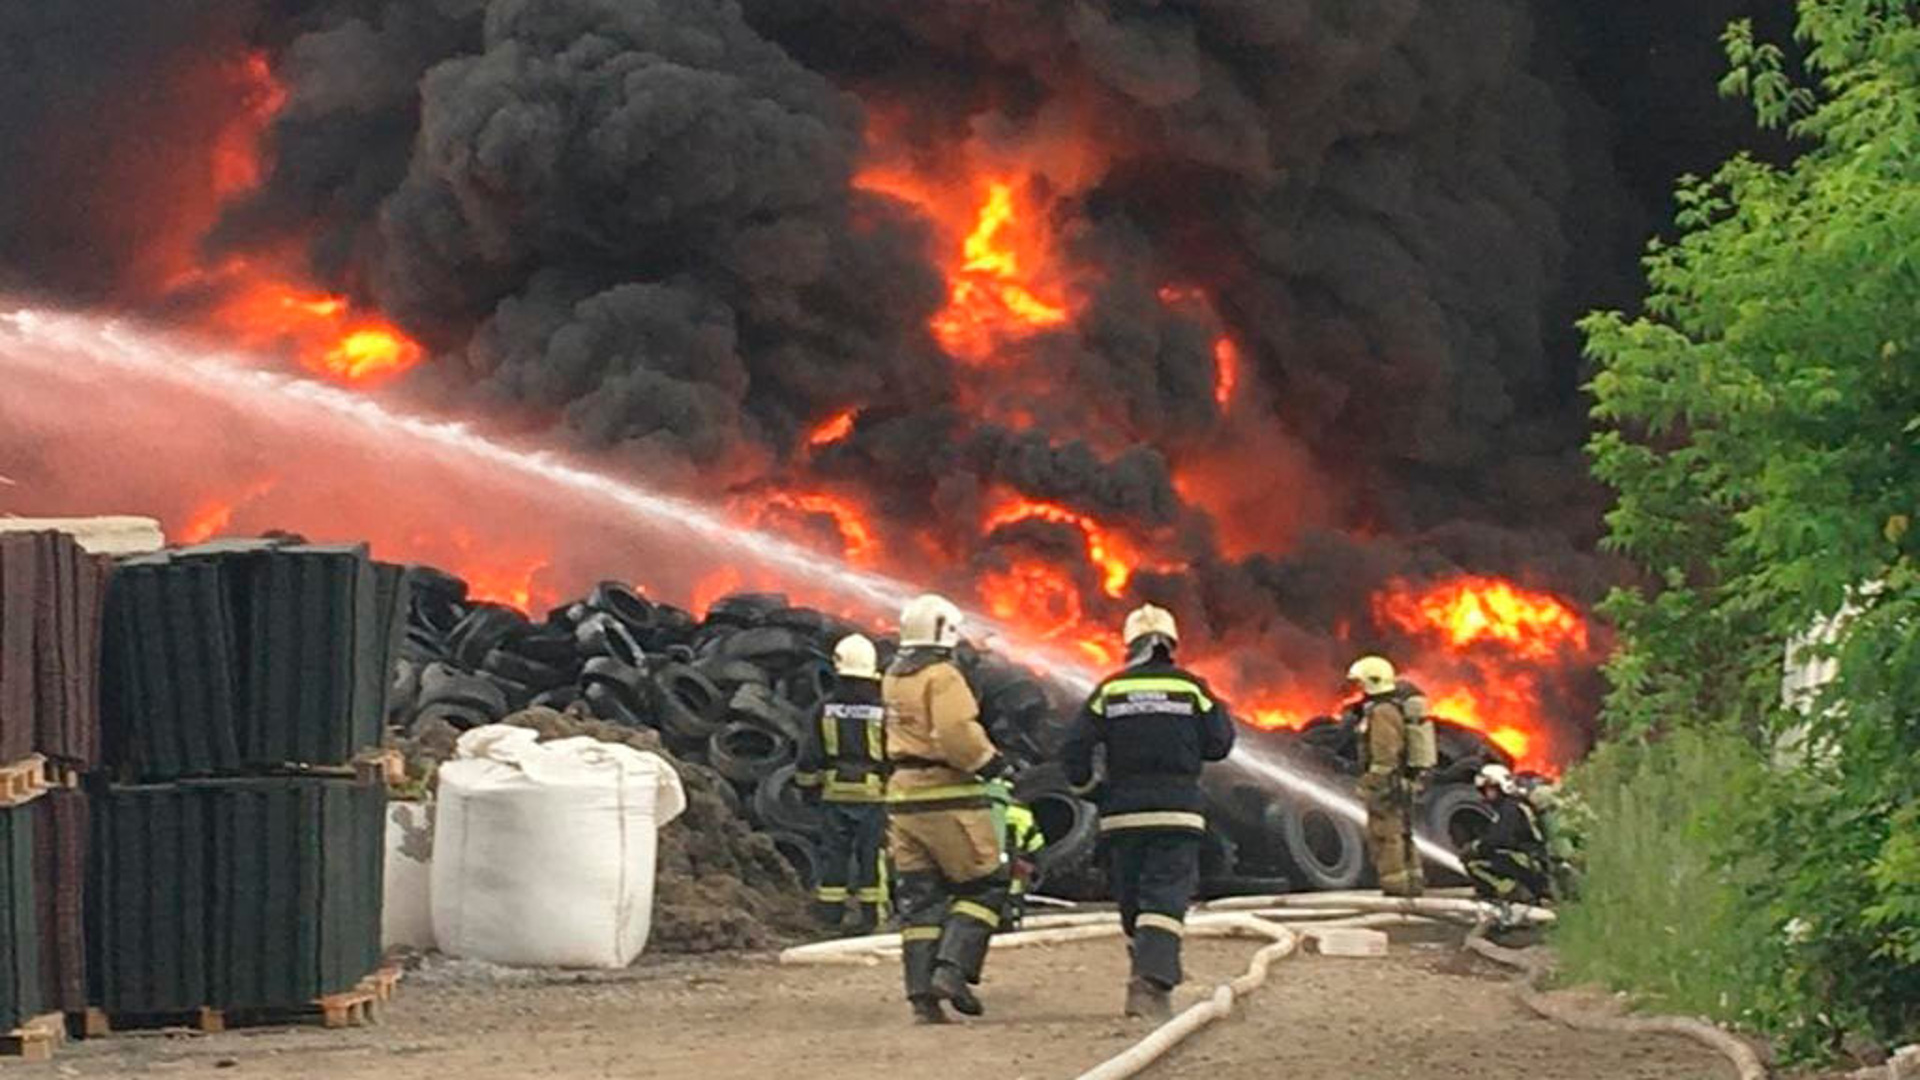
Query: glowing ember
1226, 370
832, 429
1474, 610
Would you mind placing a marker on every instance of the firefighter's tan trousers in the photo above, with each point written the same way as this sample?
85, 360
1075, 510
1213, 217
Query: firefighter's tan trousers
1390, 840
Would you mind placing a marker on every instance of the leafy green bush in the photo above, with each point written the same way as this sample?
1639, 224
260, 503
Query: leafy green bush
1760, 423
1658, 912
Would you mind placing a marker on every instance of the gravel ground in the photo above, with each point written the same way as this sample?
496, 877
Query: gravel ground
1424, 1011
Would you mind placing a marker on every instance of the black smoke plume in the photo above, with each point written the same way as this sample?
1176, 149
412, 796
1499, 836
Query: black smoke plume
635, 225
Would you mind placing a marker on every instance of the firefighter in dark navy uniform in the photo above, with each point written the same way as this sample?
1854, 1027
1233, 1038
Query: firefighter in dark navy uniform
1157, 725
842, 761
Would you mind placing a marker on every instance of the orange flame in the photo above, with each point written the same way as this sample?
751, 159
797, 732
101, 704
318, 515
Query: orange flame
1033, 595
493, 575
236, 160
831, 430
1105, 548
1477, 610
322, 330
857, 541
214, 516
999, 286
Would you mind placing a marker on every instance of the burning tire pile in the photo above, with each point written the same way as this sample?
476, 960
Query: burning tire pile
727, 698
730, 696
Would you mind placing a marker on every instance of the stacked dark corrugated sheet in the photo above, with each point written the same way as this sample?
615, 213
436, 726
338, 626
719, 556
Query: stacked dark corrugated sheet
245, 677
51, 597
61, 823
19, 935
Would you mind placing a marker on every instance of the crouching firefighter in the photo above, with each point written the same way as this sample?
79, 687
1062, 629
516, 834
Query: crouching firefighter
1396, 750
1157, 725
1508, 862
941, 835
842, 761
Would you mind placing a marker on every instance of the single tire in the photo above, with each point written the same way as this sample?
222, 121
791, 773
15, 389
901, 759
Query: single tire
619, 600
767, 646
403, 689
442, 684
1072, 829
777, 803
550, 645
730, 675
504, 664
627, 680
609, 704
557, 699
745, 609
807, 686
1327, 852
679, 653
1046, 778
815, 625
745, 754
601, 634
462, 716
799, 852
757, 705
689, 705
1451, 815
485, 626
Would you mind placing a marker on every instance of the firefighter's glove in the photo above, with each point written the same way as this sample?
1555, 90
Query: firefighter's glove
997, 768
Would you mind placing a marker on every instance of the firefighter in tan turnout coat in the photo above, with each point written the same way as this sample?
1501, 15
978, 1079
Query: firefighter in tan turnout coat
941, 835
1396, 748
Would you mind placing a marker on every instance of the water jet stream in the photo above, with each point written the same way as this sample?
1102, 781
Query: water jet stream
31, 337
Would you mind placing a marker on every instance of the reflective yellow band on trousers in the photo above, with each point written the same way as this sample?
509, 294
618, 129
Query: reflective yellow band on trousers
976, 912
920, 933
1154, 819
830, 893
1148, 920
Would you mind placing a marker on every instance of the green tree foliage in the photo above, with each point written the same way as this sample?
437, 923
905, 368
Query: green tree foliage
1760, 423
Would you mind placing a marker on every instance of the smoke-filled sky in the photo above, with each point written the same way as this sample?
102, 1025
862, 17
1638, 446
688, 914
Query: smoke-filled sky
681, 234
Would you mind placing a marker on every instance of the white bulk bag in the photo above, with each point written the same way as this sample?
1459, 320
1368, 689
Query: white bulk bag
543, 852
406, 909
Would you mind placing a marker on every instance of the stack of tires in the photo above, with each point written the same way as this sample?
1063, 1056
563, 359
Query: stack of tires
735, 691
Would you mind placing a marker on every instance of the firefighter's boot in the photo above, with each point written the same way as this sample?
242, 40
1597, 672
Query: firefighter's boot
950, 984
1148, 1000
927, 1010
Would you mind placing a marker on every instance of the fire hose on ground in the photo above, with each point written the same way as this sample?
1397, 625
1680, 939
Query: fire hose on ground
1284, 921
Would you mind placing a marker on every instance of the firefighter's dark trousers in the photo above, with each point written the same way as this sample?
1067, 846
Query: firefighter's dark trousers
952, 891
1513, 876
851, 835
1153, 874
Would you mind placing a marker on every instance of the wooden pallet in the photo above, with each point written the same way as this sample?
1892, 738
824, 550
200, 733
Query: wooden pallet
23, 781
357, 1007
35, 1039
386, 766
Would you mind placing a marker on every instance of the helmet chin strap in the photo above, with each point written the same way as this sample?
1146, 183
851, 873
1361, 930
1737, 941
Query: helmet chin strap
1144, 647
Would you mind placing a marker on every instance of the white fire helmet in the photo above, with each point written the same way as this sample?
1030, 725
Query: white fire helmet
1495, 775
1148, 619
1374, 674
855, 658
930, 620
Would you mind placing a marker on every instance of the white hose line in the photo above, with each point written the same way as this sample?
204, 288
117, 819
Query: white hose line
1454, 908
1533, 971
